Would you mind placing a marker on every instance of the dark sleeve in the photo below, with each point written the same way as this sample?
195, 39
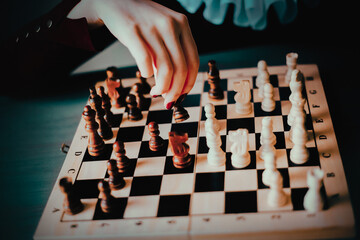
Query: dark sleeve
39, 58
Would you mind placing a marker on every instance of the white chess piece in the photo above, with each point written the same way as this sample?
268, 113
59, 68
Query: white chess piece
300, 118
242, 97
268, 102
299, 154
240, 157
313, 201
216, 156
263, 74
297, 108
267, 137
270, 167
210, 116
291, 62
277, 197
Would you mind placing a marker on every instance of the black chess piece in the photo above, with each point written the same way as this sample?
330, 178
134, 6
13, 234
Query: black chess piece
145, 86
140, 99
95, 143
106, 105
156, 142
107, 203
72, 203
105, 130
134, 113
180, 114
122, 161
116, 181
215, 91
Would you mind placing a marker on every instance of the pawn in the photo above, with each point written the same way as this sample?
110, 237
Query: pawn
291, 62
267, 137
95, 143
156, 142
106, 105
145, 86
215, 91
211, 116
277, 197
96, 103
263, 74
107, 203
180, 114
140, 99
134, 113
313, 200
122, 161
270, 168
72, 203
268, 103
116, 181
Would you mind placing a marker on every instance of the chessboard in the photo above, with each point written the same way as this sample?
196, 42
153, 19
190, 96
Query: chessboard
160, 201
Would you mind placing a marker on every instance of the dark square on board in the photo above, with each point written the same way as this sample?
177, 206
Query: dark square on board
119, 205
148, 185
210, 181
234, 124
220, 112
241, 202
175, 205
130, 134
105, 154
159, 116
223, 85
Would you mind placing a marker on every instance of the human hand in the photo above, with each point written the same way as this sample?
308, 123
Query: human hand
158, 38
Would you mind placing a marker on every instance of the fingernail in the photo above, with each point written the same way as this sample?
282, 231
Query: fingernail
181, 98
155, 96
170, 105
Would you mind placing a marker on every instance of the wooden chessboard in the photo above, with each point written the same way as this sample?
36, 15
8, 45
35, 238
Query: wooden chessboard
202, 201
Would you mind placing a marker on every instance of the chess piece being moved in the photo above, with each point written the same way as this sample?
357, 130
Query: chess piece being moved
263, 74
122, 161
145, 86
116, 181
291, 62
215, 91
104, 128
313, 200
156, 142
134, 113
180, 114
242, 97
268, 102
240, 157
115, 89
180, 149
106, 105
216, 156
277, 197
107, 203
96, 143
72, 203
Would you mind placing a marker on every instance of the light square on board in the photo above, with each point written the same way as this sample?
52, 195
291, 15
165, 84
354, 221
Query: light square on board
277, 121
222, 124
164, 131
132, 149
263, 206
173, 184
241, 180
231, 112
150, 166
259, 99
142, 206
194, 113
282, 82
202, 165
208, 203
281, 159
127, 123
298, 176
123, 192
92, 170
205, 99
157, 104
309, 144
86, 214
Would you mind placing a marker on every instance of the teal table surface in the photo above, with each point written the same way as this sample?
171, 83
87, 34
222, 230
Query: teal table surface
34, 129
